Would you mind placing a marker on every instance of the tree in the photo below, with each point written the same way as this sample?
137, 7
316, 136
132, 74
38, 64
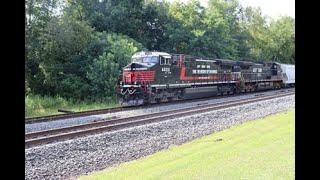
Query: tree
222, 20
269, 42
103, 74
185, 29
38, 14
282, 33
77, 48
63, 51
153, 28
121, 16
257, 28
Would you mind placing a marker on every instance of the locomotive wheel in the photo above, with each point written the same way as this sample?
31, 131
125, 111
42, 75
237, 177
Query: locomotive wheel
164, 99
181, 94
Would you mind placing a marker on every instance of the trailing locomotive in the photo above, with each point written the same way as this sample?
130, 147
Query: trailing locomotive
153, 77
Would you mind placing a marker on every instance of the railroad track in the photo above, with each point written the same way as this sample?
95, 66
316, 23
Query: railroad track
104, 111
59, 134
113, 110
74, 115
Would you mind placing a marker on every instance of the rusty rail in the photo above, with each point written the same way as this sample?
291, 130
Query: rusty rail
70, 114
58, 134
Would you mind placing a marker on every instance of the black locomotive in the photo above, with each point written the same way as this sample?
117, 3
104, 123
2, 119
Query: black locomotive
153, 77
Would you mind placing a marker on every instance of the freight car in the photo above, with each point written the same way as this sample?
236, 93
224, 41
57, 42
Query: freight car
288, 74
153, 77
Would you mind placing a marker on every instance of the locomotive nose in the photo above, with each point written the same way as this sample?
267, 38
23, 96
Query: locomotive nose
129, 72
138, 74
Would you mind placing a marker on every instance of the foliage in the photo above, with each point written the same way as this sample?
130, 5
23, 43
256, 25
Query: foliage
153, 33
103, 75
185, 29
38, 14
77, 48
283, 36
74, 87
36, 105
121, 16
69, 47
269, 42
105, 70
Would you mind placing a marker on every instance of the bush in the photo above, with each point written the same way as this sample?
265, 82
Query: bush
36, 104
103, 76
73, 87
105, 69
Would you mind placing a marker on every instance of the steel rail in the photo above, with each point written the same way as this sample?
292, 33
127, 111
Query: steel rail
47, 136
117, 109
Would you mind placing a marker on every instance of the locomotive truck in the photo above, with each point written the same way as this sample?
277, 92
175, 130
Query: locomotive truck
154, 77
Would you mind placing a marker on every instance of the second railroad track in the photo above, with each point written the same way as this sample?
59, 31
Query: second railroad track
52, 135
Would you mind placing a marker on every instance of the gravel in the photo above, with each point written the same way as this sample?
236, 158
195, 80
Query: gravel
81, 120
75, 157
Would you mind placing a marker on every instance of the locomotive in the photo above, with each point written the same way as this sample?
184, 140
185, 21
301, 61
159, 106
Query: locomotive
154, 77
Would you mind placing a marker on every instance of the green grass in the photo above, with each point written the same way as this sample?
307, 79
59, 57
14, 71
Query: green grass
36, 105
261, 149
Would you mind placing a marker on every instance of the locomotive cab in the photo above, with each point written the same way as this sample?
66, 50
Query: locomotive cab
141, 70
141, 73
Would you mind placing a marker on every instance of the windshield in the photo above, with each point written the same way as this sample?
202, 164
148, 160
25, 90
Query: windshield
146, 59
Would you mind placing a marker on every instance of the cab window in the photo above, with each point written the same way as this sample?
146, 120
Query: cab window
146, 59
167, 61
162, 60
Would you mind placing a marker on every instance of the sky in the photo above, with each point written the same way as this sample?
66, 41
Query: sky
272, 8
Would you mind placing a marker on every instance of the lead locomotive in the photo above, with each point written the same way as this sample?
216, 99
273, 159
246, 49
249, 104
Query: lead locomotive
153, 77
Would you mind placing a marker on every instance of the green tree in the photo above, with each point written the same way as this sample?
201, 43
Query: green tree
38, 14
103, 75
153, 28
185, 29
104, 72
74, 87
221, 19
256, 26
121, 46
121, 16
274, 41
282, 33
65, 43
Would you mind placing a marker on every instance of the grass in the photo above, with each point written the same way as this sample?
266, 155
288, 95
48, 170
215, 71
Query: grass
36, 105
261, 149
